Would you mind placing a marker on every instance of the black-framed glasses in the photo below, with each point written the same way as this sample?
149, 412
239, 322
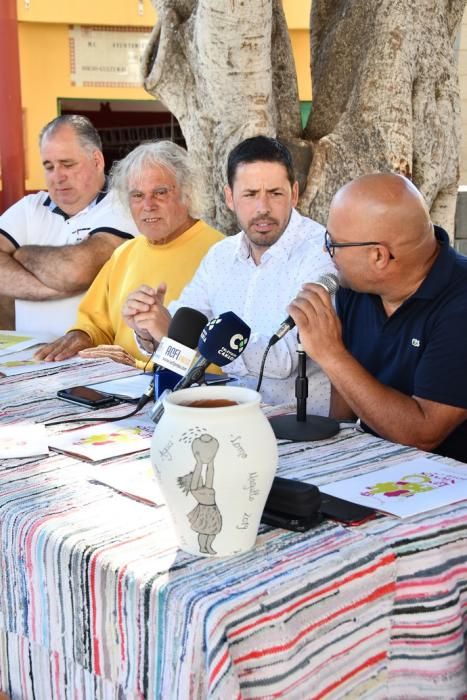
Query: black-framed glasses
329, 245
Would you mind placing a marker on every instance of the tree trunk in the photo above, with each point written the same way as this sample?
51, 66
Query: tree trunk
225, 78
385, 97
385, 91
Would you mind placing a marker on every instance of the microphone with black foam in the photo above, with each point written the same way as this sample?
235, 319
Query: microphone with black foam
184, 332
222, 340
329, 282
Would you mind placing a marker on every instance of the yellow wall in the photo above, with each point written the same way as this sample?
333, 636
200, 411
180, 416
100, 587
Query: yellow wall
125, 12
301, 50
108, 12
45, 77
297, 13
45, 58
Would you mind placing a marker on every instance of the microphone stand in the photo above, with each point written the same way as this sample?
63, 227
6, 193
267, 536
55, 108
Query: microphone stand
301, 427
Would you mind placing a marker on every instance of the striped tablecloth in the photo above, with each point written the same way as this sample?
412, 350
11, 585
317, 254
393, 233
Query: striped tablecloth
96, 601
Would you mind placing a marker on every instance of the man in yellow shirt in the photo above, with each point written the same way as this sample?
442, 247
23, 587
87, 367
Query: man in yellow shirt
156, 182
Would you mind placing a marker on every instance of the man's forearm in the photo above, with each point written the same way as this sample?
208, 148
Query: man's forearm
69, 268
19, 283
391, 414
410, 420
338, 408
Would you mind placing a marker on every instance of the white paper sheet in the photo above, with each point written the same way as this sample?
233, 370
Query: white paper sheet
405, 489
105, 440
126, 387
11, 341
23, 362
134, 479
23, 440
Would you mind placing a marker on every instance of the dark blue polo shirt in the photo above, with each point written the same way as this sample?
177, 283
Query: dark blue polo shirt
421, 350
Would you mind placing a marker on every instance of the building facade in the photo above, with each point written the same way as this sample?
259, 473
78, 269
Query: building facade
83, 56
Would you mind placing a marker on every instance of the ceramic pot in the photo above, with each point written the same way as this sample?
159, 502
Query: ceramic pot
215, 467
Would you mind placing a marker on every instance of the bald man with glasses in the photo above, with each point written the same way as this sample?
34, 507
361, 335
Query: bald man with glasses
330, 246
395, 349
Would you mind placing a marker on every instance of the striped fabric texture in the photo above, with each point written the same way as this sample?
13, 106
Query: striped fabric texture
97, 602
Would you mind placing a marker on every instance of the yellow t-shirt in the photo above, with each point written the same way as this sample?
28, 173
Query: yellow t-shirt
135, 263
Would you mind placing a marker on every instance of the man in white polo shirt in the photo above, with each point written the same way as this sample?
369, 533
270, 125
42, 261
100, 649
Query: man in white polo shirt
52, 244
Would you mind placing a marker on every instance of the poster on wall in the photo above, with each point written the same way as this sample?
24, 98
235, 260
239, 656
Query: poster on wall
107, 56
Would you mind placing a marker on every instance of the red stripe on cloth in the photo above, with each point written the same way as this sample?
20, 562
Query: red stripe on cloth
431, 641
92, 590
257, 654
372, 661
452, 619
387, 559
218, 667
422, 584
121, 612
293, 558
315, 672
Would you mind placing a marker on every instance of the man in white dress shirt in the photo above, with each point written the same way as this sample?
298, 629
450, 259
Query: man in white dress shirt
254, 273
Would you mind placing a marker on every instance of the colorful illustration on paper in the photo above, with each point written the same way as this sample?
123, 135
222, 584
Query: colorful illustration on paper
22, 362
19, 363
8, 342
119, 435
103, 441
405, 489
409, 485
205, 518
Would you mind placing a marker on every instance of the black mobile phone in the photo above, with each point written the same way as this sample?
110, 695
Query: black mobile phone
344, 511
86, 396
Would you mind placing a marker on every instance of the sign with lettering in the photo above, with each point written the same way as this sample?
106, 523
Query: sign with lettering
175, 356
107, 56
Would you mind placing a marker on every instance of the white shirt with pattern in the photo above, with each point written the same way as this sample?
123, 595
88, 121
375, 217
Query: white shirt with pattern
229, 280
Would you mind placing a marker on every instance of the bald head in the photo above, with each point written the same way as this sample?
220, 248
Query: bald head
384, 206
387, 214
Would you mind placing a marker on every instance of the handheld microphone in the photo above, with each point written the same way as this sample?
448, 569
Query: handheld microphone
185, 330
329, 282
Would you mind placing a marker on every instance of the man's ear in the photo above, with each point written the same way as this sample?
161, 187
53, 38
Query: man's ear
98, 158
295, 193
228, 194
381, 256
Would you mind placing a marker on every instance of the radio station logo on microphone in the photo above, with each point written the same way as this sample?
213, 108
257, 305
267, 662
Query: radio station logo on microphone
177, 355
174, 355
237, 344
208, 328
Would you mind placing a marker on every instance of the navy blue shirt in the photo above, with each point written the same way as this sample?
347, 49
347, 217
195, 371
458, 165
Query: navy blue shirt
421, 349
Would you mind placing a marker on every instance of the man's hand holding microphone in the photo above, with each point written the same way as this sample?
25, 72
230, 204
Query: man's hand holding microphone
318, 325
